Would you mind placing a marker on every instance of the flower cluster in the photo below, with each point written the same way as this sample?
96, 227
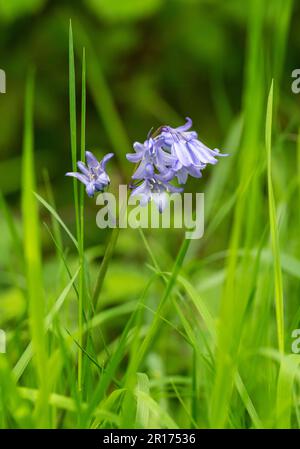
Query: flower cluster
168, 154
93, 175
171, 153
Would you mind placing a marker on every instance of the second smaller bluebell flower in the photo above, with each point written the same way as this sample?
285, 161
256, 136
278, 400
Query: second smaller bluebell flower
93, 174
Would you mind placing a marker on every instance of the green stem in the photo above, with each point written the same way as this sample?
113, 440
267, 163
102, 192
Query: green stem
81, 243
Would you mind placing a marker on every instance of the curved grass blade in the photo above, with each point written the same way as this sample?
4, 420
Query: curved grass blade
57, 217
28, 353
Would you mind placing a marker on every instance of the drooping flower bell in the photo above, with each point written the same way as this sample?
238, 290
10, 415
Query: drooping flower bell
190, 153
168, 154
152, 176
153, 190
93, 175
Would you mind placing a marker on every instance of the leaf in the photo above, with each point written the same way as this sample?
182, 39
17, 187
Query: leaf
274, 231
32, 256
142, 412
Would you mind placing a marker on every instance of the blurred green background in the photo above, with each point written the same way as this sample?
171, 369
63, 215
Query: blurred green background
159, 60
154, 62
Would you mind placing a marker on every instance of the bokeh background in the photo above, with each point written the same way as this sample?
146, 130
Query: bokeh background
154, 62
157, 61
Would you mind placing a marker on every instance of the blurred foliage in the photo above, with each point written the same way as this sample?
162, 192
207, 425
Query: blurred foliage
119, 10
146, 52
161, 61
14, 9
151, 62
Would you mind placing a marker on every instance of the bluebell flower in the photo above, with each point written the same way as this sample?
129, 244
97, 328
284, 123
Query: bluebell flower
168, 154
151, 156
190, 153
93, 175
151, 189
153, 174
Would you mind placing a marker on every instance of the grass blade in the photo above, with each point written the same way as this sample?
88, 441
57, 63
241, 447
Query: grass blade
27, 354
57, 217
273, 229
32, 255
81, 217
73, 133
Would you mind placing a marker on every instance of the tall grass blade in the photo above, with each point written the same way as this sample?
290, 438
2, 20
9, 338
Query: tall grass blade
81, 214
274, 229
32, 255
73, 132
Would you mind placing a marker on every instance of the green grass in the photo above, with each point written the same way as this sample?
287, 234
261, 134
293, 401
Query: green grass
274, 232
145, 328
32, 256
